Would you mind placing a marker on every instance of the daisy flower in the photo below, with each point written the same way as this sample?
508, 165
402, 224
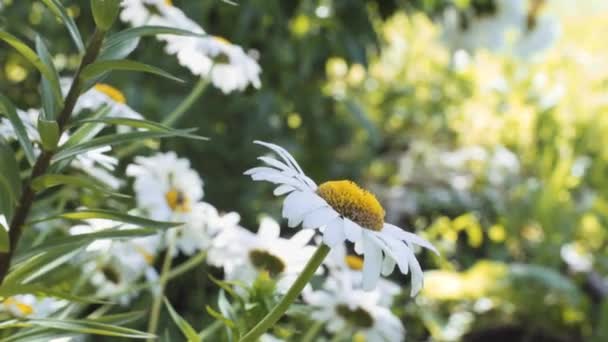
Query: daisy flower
165, 185
225, 64
342, 211
30, 306
243, 254
102, 94
201, 226
356, 312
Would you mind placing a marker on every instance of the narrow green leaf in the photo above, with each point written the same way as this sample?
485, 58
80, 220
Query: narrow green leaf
219, 317
10, 182
119, 51
49, 133
111, 215
136, 123
59, 10
5, 244
89, 131
105, 12
141, 31
7, 107
121, 318
116, 139
77, 241
83, 326
29, 54
100, 67
22, 270
51, 180
183, 325
48, 87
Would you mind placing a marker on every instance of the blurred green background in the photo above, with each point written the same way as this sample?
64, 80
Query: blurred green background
499, 161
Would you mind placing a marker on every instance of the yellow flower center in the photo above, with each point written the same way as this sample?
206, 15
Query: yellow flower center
358, 317
266, 262
353, 202
354, 262
148, 257
168, 2
221, 40
25, 309
177, 201
113, 93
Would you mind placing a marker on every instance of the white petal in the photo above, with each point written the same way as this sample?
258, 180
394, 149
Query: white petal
269, 229
319, 217
334, 232
277, 164
302, 237
408, 237
417, 276
352, 230
283, 189
298, 203
397, 250
372, 263
388, 266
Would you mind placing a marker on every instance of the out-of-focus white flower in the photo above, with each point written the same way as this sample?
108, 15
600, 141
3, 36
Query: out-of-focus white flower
30, 121
102, 94
225, 64
357, 312
243, 254
348, 268
30, 306
576, 257
201, 226
343, 211
165, 185
539, 38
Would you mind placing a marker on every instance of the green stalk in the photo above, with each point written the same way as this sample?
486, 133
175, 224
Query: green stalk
196, 92
294, 291
158, 300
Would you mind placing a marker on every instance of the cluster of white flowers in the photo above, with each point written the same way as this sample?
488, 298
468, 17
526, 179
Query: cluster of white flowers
226, 65
30, 306
502, 25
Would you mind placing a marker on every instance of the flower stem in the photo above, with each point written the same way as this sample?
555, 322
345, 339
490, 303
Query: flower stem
158, 300
294, 291
196, 92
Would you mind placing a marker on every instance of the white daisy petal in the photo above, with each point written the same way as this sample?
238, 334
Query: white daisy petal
334, 232
417, 276
352, 230
283, 189
372, 263
388, 266
319, 217
407, 236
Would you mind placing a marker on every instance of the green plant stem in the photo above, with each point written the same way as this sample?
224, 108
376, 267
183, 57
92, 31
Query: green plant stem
210, 329
312, 332
44, 160
158, 300
186, 103
294, 291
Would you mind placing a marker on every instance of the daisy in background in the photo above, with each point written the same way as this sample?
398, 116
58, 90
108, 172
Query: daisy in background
342, 211
30, 306
243, 254
100, 95
95, 162
348, 268
351, 312
226, 65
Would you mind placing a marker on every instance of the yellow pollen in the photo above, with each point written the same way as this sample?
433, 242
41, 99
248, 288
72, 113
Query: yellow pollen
354, 262
168, 2
221, 40
25, 309
111, 92
148, 257
177, 201
354, 203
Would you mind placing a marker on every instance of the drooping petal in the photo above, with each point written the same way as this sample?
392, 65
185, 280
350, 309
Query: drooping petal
298, 203
283, 189
388, 266
319, 217
334, 232
352, 230
408, 237
372, 263
302, 237
269, 229
417, 276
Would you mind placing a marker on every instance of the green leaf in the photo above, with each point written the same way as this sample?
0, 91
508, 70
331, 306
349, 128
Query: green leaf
51, 180
121, 44
87, 132
229, 323
30, 55
49, 133
77, 241
5, 243
7, 107
12, 289
10, 182
183, 325
22, 270
111, 215
100, 67
48, 87
81, 326
59, 10
105, 12
116, 139
136, 123
119, 319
